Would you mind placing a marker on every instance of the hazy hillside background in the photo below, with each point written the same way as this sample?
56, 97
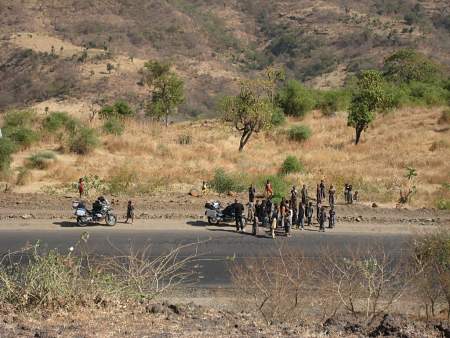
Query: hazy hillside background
61, 48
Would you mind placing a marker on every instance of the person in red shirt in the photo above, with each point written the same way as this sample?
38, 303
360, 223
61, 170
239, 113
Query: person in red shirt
269, 190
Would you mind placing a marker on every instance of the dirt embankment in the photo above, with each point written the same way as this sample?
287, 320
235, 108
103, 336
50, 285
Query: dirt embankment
191, 320
183, 206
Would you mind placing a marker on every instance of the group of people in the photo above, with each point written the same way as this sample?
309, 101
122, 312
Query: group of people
295, 212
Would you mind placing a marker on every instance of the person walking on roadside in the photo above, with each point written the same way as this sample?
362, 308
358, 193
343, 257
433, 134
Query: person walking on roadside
309, 213
332, 218
318, 208
130, 212
346, 193
293, 204
301, 216
251, 194
81, 187
238, 212
268, 189
322, 219
304, 195
318, 195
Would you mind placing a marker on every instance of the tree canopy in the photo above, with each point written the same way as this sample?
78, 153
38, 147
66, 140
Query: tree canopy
166, 90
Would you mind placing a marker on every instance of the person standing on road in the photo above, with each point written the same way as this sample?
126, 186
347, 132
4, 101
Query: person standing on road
318, 208
304, 195
130, 212
274, 222
332, 196
301, 216
332, 218
322, 219
288, 222
293, 204
346, 193
309, 213
350, 194
318, 195
322, 190
238, 212
251, 194
81, 187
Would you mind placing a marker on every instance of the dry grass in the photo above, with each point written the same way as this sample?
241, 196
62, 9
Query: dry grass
376, 167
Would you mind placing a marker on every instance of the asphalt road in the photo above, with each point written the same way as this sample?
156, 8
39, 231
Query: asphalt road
217, 245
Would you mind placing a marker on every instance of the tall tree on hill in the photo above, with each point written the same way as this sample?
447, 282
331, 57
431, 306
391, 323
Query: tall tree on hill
166, 90
368, 98
250, 111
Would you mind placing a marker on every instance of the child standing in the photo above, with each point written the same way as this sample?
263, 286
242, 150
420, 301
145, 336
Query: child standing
130, 212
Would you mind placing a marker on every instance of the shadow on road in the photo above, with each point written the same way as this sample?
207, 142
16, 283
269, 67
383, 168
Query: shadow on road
67, 224
238, 233
205, 224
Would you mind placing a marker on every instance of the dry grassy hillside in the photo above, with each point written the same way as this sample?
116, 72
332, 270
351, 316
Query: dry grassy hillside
212, 43
148, 157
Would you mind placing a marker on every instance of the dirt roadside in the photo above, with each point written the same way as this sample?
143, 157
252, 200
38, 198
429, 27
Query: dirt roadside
182, 206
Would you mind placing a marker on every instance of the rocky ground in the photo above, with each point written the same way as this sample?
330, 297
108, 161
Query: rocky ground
190, 320
184, 206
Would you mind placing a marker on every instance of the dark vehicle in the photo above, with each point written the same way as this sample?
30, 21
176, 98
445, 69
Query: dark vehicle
101, 211
216, 214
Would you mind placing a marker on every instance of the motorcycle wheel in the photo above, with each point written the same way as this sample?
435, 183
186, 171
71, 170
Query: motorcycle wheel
81, 222
111, 220
213, 221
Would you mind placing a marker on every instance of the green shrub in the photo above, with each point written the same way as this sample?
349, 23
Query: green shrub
56, 121
443, 204
19, 119
21, 136
299, 133
331, 101
41, 160
119, 109
83, 141
291, 165
7, 148
406, 65
295, 99
122, 181
427, 94
278, 117
279, 185
114, 126
225, 183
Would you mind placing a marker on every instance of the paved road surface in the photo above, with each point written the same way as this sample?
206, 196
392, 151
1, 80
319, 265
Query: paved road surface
218, 243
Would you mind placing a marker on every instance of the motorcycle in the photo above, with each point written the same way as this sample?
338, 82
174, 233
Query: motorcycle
85, 216
216, 214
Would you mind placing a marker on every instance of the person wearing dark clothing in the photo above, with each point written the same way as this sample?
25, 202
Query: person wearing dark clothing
350, 194
130, 212
309, 213
304, 195
332, 219
269, 206
293, 204
301, 216
238, 212
251, 194
322, 190
322, 219
318, 208
332, 196
318, 196
346, 193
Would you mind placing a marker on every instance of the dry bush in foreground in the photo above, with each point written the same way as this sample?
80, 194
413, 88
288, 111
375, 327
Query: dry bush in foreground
274, 287
290, 287
34, 279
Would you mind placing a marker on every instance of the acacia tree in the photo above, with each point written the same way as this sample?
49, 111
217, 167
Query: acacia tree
369, 98
250, 111
166, 90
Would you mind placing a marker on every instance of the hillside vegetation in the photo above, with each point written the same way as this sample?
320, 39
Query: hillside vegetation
82, 85
212, 43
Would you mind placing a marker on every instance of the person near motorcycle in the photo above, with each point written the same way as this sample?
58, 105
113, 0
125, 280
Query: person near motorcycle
98, 205
238, 212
